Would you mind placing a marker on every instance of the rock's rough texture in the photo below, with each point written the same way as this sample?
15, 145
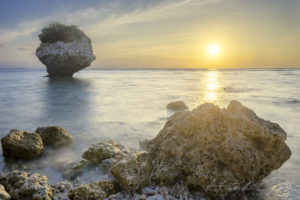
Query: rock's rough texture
25, 186
54, 136
133, 172
219, 150
93, 191
66, 58
104, 150
177, 106
22, 145
60, 190
3, 194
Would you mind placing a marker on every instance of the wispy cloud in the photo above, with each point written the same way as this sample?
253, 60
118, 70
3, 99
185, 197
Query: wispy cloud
102, 17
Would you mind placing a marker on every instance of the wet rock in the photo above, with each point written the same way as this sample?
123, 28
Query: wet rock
3, 194
104, 150
21, 145
93, 191
26, 186
133, 171
218, 150
149, 191
107, 164
177, 106
54, 136
60, 190
156, 197
71, 174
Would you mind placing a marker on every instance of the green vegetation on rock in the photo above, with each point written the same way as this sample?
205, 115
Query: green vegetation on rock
57, 31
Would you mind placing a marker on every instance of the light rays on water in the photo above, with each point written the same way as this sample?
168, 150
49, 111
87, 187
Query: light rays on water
210, 88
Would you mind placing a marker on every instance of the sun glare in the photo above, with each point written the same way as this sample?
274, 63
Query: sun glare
213, 49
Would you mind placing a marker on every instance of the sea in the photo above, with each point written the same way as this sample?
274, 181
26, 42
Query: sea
129, 106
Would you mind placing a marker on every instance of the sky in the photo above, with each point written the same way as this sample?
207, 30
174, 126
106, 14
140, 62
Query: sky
160, 33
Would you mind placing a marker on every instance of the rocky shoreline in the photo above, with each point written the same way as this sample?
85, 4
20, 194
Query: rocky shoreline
208, 152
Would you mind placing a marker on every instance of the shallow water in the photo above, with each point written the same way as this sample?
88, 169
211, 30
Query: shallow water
130, 105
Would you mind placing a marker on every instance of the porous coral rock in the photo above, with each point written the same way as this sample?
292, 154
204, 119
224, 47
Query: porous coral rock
21, 145
54, 136
60, 190
218, 150
26, 186
133, 171
93, 191
104, 150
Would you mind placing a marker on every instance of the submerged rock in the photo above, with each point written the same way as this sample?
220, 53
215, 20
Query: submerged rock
26, 186
133, 171
22, 145
54, 136
104, 150
3, 194
218, 150
93, 191
64, 49
177, 106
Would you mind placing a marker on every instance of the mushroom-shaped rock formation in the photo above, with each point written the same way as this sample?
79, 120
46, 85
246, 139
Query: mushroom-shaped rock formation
22, 145
218, 150
54, 136
64, 49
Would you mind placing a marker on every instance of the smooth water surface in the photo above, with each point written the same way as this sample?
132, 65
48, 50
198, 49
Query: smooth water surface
130, 105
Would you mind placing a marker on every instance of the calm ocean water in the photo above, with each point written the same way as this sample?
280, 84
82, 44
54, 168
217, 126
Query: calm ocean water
130, 105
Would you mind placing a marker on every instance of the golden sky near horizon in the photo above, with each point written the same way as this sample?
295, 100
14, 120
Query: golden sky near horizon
176, 33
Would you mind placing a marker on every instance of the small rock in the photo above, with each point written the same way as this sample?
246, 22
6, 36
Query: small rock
3, 194
177, 106
149, 191
156, 197
133, 171
93, 191
104, 150
54, 136
22, 145
107, 164
71, 174
60, 190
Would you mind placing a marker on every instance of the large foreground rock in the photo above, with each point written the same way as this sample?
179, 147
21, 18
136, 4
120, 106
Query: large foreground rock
54, 136
26, 186
22, 145
218, 150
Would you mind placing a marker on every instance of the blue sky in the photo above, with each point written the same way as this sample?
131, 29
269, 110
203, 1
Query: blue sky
160, 33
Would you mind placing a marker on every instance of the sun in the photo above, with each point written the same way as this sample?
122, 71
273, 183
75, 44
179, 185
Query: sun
213, 49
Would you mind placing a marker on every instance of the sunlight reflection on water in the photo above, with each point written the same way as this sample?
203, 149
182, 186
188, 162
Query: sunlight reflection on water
211, 86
